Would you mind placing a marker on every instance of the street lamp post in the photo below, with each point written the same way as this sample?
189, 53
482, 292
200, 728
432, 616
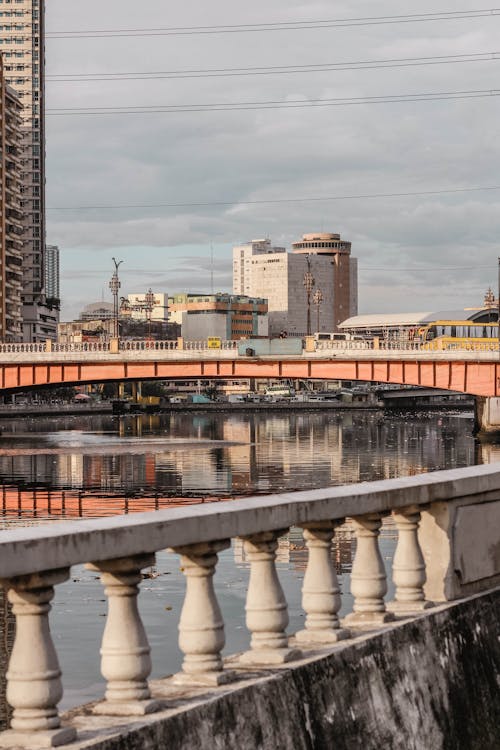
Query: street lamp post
115, 285
498, 301
149, 303
317, 299
309, 283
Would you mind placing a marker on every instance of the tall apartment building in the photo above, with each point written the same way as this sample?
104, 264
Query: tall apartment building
22, 45
11, 260
52, 291
259, 269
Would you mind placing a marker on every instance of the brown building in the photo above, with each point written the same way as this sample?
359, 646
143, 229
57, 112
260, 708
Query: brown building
344, 278
226, 316
11, 230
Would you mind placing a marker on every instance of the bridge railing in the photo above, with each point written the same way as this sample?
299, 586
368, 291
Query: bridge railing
123, 345
434, 514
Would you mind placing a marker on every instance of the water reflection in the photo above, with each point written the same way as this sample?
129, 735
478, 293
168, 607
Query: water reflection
229, 454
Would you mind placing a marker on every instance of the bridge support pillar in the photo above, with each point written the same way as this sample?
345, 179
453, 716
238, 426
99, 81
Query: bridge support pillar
487, 416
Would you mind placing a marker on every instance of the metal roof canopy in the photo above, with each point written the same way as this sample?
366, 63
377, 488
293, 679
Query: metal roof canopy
400, 320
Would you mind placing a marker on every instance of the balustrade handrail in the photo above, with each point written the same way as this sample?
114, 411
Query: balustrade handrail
34, 560
69, 543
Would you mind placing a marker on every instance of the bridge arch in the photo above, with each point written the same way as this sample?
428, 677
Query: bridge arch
475, 377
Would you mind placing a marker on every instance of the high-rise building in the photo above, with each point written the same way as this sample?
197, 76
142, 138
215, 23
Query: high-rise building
259, 269
344, 292
22, 44
52, 275
11, 260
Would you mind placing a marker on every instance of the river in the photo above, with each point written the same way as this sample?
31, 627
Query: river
97, 465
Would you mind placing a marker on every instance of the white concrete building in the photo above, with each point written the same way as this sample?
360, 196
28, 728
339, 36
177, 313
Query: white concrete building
259, 269
146, 306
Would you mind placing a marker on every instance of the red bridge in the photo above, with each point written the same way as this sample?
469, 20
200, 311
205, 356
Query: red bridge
26, 366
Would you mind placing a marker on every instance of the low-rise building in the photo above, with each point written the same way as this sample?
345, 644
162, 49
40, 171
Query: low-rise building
227, 316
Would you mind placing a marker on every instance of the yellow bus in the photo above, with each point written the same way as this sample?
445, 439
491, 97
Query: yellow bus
458, 334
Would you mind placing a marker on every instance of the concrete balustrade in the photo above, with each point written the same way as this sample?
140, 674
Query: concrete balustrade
266, 607
320, 593
432, 514
125, 652
368, 577
201, 627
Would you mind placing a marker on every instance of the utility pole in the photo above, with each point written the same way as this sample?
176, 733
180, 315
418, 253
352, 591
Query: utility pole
115, 285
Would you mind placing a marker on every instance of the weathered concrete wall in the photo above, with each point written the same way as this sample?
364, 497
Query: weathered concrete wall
432, 683
487, 416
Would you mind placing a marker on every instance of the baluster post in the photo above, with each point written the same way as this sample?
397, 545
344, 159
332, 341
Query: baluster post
368, 577
201, 626
266, 607
408, 568
125, 652
320, 591
34, 686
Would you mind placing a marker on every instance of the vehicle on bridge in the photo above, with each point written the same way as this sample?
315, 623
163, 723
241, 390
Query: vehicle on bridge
463, 334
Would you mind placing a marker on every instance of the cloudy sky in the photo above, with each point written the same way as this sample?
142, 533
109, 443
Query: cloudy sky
114, 179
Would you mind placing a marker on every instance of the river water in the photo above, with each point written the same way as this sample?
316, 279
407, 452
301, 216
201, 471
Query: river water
94, 462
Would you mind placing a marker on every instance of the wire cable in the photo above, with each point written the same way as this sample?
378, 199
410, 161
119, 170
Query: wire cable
279, 104
274, 26
275, 69
272, 201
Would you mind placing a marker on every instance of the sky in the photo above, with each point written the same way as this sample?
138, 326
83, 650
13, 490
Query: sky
115, 181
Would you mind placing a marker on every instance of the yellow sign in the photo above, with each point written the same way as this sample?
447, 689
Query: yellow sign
214, 342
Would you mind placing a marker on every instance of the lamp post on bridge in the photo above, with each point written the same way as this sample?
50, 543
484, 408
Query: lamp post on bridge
149, 303
317, 299
498, 306
309, 283
115, 285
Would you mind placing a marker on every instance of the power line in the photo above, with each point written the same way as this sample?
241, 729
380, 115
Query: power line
276, 69
426, 269
273, 26
271, 201
278, 104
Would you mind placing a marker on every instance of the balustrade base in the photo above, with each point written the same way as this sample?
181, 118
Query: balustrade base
42, 738
128, 708
263, 656
360, 619
401, 608
322, 636
205, 678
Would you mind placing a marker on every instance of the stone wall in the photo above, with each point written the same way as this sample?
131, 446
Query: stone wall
431, 683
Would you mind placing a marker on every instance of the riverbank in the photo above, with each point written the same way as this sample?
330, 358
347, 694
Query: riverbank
106, 407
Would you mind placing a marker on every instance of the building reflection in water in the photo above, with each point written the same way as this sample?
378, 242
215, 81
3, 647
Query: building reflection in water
231, 454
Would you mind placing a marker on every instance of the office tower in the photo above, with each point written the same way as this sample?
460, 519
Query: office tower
344, 280
261, 270
52, 275
22, 44
11, 260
